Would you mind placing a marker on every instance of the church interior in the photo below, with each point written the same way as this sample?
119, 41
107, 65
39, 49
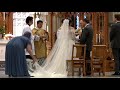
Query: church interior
13, 23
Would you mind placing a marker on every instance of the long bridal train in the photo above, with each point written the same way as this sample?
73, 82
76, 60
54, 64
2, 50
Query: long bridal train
55, 63
40, 72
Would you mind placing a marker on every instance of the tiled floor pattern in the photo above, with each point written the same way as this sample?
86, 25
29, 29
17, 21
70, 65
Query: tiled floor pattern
108, 75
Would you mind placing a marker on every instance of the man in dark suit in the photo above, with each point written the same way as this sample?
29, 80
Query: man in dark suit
115, 43
87, 38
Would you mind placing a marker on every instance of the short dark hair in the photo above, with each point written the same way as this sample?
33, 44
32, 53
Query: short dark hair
27, 34
117, 16
86, 20
28, 19
39, 21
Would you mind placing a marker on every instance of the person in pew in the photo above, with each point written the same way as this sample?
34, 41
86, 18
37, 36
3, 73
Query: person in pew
15, 58
87, 38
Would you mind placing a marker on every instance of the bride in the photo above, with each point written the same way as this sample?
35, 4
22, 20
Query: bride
55, 63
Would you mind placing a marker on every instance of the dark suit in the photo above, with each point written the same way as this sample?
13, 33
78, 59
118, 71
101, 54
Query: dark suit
87, 38
115, 44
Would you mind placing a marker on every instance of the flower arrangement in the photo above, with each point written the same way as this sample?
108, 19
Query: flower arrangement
8, 36
2, 30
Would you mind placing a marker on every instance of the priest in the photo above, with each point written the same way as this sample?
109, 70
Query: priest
40, 43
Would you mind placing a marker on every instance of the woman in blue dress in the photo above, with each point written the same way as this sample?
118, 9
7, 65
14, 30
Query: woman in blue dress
15, 58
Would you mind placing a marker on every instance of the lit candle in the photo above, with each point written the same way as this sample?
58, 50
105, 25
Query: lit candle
4, 16
99, 38
47, 28
96, 38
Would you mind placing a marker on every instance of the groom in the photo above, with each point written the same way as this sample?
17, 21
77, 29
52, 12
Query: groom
87, 38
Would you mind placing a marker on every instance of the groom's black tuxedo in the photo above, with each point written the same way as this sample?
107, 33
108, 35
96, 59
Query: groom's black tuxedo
87, 38
115, 44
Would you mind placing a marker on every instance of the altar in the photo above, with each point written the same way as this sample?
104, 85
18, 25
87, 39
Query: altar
2, 49
2, 53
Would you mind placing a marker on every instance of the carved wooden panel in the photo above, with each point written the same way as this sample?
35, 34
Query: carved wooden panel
1, 18
99, 21
9, 22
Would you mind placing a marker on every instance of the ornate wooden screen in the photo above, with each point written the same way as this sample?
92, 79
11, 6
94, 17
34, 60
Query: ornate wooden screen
7, 21
99, 21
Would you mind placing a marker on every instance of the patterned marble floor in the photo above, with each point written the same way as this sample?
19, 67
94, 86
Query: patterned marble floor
96, 75
108, 75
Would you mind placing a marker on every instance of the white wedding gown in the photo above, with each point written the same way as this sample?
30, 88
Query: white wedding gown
55, 65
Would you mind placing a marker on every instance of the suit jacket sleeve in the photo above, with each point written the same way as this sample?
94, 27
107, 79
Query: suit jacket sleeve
112, 32
83, 36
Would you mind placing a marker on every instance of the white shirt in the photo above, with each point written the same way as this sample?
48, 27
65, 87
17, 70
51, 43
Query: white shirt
28, 29
86, 25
